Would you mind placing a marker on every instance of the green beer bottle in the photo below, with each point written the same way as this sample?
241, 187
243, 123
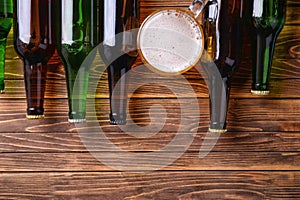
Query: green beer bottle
77, 35
6, 20
267, 21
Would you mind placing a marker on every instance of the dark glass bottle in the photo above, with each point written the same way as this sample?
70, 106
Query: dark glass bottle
34, 35
6, 20
223, 22
267, 22
118, 50
77, 35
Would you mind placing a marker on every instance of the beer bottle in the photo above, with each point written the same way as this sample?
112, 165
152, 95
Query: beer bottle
266, 23
34, 39
118, 50
77, 35
6, 20
222, 23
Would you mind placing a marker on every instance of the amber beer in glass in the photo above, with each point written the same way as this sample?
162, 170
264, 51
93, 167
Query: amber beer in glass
267, 21
223, 22
34, 36
6, 20
116, 17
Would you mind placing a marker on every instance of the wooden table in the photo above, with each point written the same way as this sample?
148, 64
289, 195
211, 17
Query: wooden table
258, 158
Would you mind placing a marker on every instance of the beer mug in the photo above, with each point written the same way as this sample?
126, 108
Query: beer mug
170, 41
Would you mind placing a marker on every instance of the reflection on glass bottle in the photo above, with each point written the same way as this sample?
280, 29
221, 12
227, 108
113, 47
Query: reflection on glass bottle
77, 36
6, 20
267, 22
223, 42
119, 16
35, 43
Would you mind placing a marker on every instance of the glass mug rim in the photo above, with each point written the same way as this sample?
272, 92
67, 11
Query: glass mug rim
186, 12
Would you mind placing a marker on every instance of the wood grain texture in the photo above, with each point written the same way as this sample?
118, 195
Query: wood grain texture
70, 142
287, 47
292, 17
161, 88
286, 59
157, 185
269, 114
257, 159
80, 162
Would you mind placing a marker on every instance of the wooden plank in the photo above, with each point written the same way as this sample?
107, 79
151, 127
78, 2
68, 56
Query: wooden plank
286, 41
154, 185
284, 83
134, 161
244, 115
15, 89
149, 3
71, 142
25, 186
180, 185
287, 47
161, 88
281, 68
292, 14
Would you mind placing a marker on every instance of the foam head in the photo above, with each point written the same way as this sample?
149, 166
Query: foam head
170, 41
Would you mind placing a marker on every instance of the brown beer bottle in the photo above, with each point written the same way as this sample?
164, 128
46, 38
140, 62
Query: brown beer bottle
116, 17
34, 38
223, 34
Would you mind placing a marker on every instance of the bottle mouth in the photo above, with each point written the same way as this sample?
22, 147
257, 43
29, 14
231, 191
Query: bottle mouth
212, 130
117, 122
260, 92
35, 116
76, 117
117, 118
76, 120
2, 87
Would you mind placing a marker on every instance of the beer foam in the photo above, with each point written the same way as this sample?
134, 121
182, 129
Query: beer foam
171, 41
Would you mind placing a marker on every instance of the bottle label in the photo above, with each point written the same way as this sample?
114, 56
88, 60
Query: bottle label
67, 21
258, 8
24, 17
109, 22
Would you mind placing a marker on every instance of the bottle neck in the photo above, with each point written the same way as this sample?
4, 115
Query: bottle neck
263, 49
35, 84
219, 90
2, 63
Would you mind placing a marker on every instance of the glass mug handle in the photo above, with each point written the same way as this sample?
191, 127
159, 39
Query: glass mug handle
197, 6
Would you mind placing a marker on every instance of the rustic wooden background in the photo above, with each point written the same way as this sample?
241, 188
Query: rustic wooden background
258, 158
